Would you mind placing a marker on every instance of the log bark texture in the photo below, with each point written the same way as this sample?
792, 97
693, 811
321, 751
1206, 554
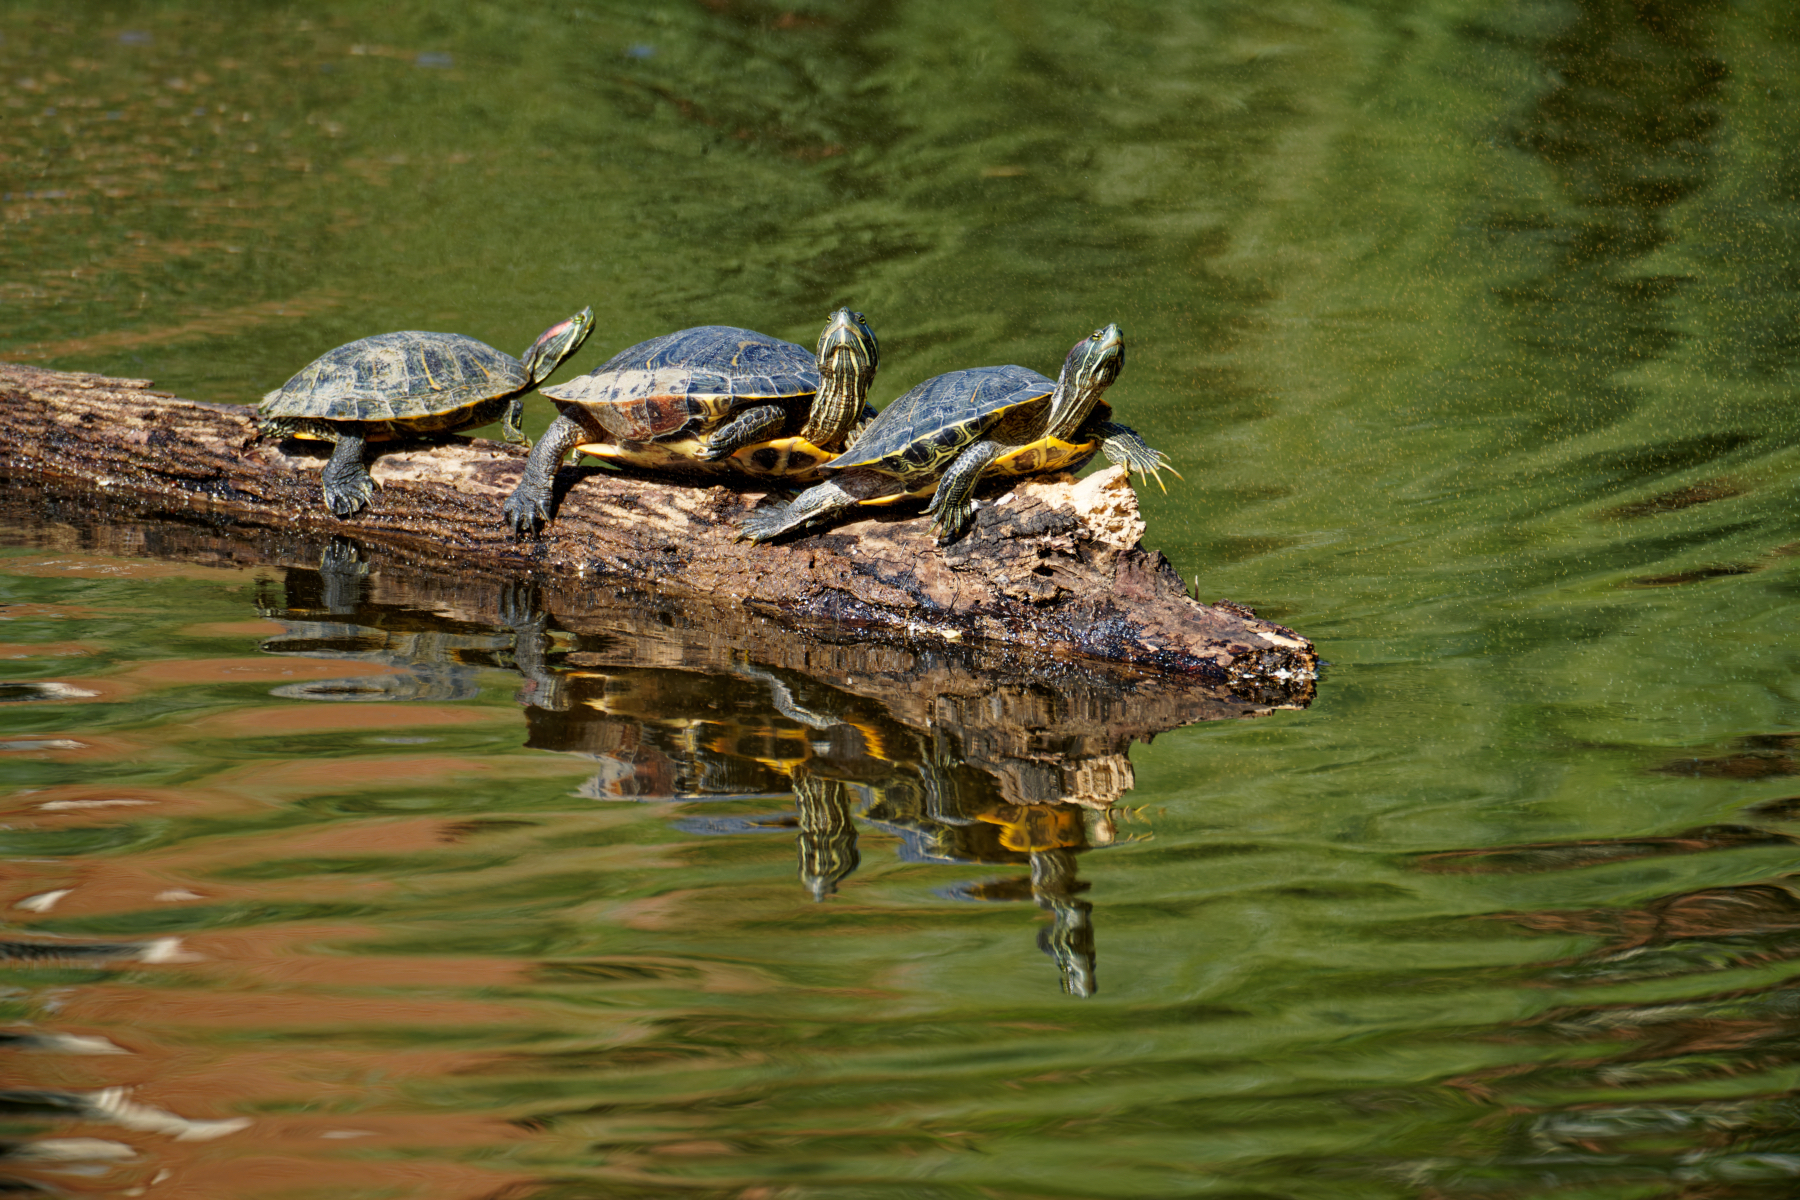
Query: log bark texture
1053, 567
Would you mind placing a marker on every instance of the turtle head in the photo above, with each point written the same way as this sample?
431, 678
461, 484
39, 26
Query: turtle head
1093, 363
557, 343
848, 347
848, 354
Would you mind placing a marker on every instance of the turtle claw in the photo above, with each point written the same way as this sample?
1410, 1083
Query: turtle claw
346, 499
1155, 472
1133, 455
525, 512
761, 524
952, 522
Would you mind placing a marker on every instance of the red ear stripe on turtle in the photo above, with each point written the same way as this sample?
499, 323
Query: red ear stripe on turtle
557, 343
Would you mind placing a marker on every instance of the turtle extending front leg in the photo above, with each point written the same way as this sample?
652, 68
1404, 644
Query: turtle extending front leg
345, 479
817, 503
814, 504
530, 500
751, 425
1123, 447
953, 502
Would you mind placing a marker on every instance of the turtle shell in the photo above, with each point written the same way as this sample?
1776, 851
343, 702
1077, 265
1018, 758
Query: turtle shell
673, 383
414, 378
921, 432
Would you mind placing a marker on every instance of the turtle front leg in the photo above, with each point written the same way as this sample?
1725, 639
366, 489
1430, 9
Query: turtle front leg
1123, 447
953, 502
751, 425
814, 504
817, 503
529, 503
345, 479
510, 427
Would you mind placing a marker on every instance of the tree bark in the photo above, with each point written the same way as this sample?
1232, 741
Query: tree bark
1053, 567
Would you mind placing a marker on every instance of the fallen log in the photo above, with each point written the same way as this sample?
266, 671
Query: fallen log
1053, 568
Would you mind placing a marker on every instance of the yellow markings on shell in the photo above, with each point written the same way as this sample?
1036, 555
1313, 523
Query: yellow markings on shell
383, 434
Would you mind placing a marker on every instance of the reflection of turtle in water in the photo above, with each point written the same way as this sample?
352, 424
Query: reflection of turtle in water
953, 812
327, 614
411, 384
671, 735
827, 841
949, 432
666, 734
663, 734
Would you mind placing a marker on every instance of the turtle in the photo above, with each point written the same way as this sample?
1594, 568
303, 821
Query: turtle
398, 385
954, 429
708, 400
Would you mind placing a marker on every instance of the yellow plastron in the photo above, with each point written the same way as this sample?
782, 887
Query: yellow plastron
1045, 454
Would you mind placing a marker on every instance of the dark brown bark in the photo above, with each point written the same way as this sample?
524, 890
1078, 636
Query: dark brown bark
1052, 568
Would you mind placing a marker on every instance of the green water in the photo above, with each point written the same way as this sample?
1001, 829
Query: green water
1475, 331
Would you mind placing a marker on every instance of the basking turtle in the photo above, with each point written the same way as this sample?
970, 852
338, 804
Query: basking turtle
397, 385
705, 400
954, 429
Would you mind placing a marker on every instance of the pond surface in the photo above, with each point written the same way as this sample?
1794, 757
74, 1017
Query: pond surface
1475, 331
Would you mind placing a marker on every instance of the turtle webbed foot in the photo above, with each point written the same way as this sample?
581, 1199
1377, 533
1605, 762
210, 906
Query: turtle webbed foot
815, 504
347, 492
762, 524
953, 518
525, 510
345, 479
1124, 448
511, 429
348, 499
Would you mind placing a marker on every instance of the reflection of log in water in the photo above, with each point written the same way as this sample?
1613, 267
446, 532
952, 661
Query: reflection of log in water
1052, 568
963, 755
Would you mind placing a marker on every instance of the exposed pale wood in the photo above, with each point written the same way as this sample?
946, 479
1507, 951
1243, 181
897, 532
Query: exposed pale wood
1053, 570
